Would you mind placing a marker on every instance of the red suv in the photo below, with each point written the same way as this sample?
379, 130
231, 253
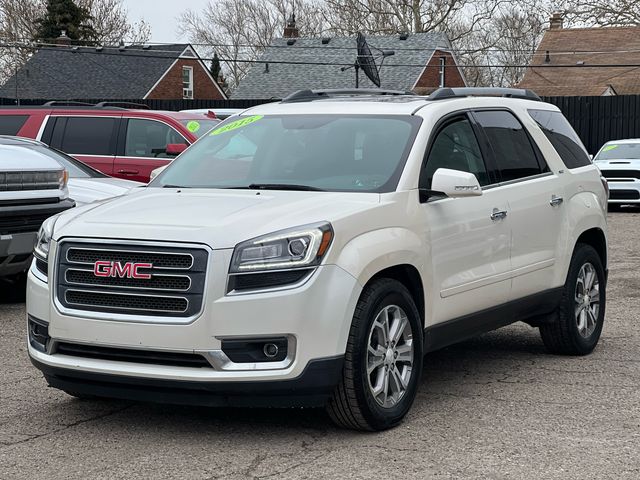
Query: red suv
118, 141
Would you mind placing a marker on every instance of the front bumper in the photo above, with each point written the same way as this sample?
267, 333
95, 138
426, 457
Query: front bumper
316, 315
16, 248
312, 388
624, 191
15, 252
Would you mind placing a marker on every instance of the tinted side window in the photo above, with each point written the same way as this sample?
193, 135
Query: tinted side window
514, 154
11, 124
455, 147
88, 135
563, 138
148, 138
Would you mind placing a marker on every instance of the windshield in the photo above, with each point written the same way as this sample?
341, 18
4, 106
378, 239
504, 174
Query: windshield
356, 153
624, 151
200, 126
76, 168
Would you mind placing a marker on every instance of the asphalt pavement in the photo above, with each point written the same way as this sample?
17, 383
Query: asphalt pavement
496, 407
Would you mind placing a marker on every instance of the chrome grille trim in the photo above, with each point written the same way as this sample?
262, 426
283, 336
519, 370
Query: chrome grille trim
30, 180
196, 255
71, 290
130, 251
165, 275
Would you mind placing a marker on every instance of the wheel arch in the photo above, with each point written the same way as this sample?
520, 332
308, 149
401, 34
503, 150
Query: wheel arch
596, 238
409, 276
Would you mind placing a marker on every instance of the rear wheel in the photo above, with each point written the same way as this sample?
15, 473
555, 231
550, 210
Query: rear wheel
383, 360
580, 316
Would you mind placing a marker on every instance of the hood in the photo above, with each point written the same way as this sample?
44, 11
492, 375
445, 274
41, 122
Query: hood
218, 218
19, 158
89, 190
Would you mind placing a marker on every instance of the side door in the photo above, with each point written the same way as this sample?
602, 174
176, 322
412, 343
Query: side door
535, 196
142, 147
470, 238
91, 140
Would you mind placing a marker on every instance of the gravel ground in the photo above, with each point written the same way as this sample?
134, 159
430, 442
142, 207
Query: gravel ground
497, 406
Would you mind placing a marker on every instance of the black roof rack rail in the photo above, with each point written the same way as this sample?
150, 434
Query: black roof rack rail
140, 106
67, 103
521, 93
310, 95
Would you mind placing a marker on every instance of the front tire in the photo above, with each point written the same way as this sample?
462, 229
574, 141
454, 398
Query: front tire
580, 316
383, 361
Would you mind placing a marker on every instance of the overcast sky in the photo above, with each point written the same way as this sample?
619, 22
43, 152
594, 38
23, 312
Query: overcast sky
162, 16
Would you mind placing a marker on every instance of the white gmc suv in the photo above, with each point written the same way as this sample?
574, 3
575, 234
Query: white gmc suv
310, 252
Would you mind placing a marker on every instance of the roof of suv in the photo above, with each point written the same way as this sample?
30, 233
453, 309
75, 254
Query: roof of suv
393, 103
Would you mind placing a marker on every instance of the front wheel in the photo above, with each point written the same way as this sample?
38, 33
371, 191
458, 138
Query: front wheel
580, 316
383, 360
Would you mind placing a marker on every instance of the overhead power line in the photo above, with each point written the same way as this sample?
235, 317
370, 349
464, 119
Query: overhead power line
142, 54
28, 43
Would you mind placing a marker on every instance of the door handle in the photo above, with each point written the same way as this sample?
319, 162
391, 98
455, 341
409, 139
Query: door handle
555, 201
498, 214
129, 172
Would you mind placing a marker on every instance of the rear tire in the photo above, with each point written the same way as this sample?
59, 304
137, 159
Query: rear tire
580, 315
383, 361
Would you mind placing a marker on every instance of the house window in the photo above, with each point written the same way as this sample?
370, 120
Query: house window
187, 82
441, 72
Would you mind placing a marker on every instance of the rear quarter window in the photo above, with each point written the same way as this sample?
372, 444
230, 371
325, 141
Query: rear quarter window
11, 124
563, 138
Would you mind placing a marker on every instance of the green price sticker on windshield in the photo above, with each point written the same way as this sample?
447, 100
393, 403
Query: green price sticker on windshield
609, 147
243, 122
193, 126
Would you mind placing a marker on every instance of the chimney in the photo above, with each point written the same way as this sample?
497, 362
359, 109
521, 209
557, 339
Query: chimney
290, 30
557, 20
63, 40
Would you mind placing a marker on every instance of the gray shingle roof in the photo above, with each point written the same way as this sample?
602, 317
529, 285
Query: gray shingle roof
63, 73
283, 79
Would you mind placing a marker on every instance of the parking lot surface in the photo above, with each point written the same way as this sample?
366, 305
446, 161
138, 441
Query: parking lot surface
497, 406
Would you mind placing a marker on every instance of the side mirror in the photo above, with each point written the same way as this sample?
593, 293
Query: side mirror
176, 148
454, 183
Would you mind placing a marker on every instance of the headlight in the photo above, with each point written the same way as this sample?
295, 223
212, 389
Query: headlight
300, 247
43, 240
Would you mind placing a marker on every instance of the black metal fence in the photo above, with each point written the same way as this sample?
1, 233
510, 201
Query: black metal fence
596, 119
601, 119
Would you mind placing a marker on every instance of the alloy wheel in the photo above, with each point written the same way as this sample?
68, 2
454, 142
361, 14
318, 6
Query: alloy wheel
390, 356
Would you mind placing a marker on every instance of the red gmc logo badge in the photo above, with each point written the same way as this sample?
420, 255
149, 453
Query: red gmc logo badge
122, 270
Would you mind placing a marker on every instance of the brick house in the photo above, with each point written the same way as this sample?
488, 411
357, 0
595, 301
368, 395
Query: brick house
567, 61
69, 72
422, 62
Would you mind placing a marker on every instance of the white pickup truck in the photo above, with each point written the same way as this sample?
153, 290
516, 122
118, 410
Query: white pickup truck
32, 188
311, 251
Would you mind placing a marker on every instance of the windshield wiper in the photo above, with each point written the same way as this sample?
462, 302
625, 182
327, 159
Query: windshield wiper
284, 186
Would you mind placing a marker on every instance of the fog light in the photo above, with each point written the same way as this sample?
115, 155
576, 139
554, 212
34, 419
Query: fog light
255, 350
270, 350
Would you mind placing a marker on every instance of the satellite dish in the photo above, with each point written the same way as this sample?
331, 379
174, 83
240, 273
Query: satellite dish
366, 61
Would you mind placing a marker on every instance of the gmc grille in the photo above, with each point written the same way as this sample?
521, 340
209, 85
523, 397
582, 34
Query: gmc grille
175, 289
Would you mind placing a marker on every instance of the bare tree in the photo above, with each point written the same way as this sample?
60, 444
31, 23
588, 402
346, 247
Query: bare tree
111, 22
240, 29
18, 28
